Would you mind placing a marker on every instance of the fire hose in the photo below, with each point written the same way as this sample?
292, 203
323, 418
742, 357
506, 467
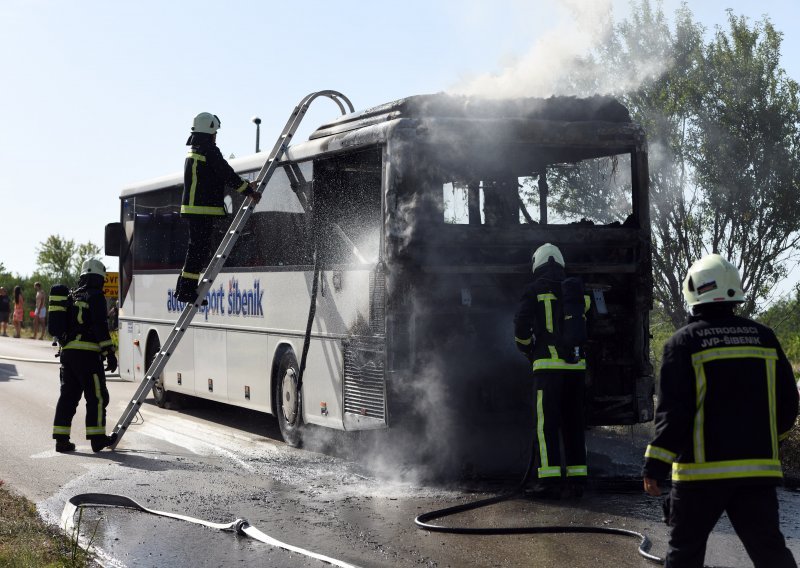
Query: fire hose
423, 521
239, 526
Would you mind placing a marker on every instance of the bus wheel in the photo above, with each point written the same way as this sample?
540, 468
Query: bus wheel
289, 407
160, 394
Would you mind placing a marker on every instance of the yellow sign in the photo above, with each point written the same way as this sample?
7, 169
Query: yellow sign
111, 285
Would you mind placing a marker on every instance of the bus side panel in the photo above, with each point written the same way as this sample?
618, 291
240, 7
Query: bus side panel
343, 302
246, 387
152, 303
210, 356
125, 350
322, 383
180, 366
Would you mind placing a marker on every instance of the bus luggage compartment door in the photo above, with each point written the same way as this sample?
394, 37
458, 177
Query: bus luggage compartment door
364, 384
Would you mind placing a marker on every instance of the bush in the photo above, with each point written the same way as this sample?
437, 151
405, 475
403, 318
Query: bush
791, 453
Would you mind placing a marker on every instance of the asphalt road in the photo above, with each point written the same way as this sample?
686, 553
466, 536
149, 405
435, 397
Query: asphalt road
351, 499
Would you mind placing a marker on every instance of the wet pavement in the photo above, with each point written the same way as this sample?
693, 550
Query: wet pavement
351, 497
337, 507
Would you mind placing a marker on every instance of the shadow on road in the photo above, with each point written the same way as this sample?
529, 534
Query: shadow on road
9, 372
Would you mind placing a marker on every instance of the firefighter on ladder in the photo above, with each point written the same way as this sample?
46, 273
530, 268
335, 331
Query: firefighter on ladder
558, 375
726, 400
86, 344
206, 175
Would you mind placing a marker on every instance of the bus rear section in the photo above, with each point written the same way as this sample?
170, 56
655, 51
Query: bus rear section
475, 193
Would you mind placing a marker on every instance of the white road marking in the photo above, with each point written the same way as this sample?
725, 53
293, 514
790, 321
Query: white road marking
171, 430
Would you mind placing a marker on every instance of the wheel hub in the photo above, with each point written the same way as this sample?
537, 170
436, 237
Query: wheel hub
289, 405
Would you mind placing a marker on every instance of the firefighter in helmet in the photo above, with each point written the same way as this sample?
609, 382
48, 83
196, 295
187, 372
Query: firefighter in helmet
726, 400
558, 374
85, 346
205, 177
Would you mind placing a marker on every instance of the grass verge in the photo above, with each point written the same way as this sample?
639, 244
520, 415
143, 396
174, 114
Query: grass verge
27, 542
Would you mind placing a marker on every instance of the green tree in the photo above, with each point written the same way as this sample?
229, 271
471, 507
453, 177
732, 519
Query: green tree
746, 154
59, 259
723, 126
783, 316
664, 106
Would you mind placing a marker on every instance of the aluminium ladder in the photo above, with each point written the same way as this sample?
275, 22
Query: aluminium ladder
218, 260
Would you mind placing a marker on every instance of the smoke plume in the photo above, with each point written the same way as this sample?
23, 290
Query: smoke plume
564, 60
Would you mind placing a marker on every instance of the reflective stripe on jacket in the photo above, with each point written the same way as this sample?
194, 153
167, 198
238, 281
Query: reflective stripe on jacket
726, 399
206, 175
538, 321
89, 325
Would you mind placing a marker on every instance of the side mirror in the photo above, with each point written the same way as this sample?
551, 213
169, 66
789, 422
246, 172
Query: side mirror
113, 239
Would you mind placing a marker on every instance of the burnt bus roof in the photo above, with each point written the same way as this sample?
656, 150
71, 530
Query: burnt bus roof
375, 124
567, 109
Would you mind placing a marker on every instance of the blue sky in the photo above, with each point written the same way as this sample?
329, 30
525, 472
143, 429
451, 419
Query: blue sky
97, 95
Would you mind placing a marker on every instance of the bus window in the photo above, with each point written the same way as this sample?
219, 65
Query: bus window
126, 251
492, 202
161, 237
277, 232
593, 191
347, 195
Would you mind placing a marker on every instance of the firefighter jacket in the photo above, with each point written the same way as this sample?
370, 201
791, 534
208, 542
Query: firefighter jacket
206, 174
538, 321
88, 322
726, 399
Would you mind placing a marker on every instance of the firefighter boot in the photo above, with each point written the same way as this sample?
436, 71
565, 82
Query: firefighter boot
545, 491
574, 490
63, 445
100, 442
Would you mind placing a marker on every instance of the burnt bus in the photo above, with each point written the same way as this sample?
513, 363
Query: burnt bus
422, 215
572, 172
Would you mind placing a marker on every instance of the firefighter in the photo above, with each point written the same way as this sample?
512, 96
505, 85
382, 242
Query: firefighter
726, 401
206, 175
558, 376
85, 346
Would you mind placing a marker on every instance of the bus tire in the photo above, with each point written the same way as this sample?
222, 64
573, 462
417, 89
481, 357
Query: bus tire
288, 407
161, 395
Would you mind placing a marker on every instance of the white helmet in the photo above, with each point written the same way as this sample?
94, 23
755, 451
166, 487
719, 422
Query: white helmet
93, 266
712, 279
206, 122
542, 254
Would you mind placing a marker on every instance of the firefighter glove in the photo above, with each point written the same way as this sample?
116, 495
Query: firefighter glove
111, 362
251, 192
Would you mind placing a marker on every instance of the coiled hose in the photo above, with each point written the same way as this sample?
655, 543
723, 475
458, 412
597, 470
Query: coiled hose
423, 521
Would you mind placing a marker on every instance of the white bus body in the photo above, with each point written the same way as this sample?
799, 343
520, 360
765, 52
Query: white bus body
410, 287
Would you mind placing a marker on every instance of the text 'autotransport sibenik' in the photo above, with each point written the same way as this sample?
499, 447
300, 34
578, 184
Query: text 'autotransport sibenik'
236, 301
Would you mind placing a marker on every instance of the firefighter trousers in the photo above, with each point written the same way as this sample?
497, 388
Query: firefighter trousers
201, 233
82, 374
752, 510
198, 253
559, 414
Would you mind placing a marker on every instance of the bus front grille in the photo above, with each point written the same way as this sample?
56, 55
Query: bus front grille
364, 381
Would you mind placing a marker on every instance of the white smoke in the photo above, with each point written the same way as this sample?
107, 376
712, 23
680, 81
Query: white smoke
562, 60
